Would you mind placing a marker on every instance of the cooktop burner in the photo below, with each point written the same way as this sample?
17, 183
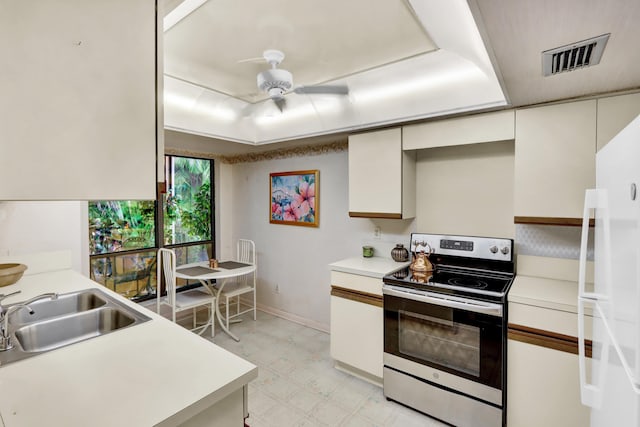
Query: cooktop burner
468, 283
475, 284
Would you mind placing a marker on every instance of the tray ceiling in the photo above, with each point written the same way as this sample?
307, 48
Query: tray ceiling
214, 46
401, 60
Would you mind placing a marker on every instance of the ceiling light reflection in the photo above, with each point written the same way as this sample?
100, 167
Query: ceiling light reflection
217, 111
298, 110
418, 84
190, 104
180, 101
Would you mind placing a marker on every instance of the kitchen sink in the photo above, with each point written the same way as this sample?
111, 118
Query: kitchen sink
60, 332
74, 302
71, 318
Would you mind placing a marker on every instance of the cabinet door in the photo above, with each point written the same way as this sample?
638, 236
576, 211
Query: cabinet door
543, 388
78, 104
554, 160
614, 114
489, 127
357, 335
375, 174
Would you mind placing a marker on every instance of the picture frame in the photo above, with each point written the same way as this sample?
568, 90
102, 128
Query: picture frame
294, 198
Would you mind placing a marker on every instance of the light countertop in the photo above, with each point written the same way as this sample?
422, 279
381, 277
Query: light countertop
545, 293
153, 373
548, 283
377, 267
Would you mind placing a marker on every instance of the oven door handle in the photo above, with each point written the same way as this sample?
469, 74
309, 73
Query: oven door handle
475, 306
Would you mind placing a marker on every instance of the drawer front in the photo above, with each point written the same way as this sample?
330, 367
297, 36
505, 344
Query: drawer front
366, 284
561, 322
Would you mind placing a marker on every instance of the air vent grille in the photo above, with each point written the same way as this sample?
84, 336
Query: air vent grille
573, 56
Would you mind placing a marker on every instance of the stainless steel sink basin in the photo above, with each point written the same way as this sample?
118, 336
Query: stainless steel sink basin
74, 302
62, 331
67, 320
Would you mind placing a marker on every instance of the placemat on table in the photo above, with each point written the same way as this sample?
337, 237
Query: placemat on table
230, 265
196, 271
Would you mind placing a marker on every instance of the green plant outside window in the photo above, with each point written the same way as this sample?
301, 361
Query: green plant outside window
123, 233
187, 203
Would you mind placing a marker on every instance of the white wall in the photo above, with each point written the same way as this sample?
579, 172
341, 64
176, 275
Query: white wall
31, 227
296, 258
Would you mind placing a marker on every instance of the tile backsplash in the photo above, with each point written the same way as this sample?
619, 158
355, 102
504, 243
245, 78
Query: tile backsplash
551, 241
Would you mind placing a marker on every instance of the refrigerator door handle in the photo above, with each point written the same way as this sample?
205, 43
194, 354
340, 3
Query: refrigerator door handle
595, 199
590, 394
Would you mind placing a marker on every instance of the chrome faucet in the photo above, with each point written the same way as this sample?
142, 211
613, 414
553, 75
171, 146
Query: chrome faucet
2, 297
50, 295
5, 337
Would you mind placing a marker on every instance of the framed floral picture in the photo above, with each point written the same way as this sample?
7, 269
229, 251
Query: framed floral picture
294, 198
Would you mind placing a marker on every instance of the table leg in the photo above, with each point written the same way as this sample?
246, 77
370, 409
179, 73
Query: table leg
218, 315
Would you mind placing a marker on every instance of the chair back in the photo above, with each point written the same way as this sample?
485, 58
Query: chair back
246, 251
166, 262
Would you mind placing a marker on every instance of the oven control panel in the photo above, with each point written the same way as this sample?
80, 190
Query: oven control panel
464, 246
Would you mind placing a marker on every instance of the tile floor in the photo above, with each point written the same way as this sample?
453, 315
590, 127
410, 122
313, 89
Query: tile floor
298, 385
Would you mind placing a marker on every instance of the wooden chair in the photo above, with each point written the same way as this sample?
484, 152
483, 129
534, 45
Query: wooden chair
246, 253
187, 300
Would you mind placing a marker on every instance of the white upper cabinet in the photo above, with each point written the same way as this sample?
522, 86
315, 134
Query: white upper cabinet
78, 103
614, 114
554, 162
489, 127
382, 178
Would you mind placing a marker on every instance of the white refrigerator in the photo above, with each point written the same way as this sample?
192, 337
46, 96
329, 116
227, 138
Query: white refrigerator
610, 314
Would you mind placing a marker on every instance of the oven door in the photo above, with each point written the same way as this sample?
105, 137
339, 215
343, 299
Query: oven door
451, 334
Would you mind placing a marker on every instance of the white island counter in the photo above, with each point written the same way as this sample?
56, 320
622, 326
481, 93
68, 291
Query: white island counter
153, 373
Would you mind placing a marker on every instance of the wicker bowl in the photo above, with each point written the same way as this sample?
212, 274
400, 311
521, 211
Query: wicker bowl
11, 273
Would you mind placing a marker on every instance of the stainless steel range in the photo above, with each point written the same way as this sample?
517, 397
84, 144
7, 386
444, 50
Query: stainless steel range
445, 329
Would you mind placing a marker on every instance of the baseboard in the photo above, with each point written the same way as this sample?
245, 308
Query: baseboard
377, 381
294, 318
151, 305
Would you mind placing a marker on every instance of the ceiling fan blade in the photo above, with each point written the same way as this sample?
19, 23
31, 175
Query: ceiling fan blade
323, 89
280, 103
256, 60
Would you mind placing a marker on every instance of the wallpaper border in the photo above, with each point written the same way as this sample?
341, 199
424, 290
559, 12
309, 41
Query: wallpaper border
302, 151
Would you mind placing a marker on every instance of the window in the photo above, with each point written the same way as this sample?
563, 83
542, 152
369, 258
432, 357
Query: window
187, 203
116, 226
124, 235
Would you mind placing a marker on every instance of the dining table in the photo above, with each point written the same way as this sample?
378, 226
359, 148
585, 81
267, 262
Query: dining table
207, 275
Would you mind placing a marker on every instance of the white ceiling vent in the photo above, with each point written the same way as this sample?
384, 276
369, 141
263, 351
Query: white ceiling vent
573, 56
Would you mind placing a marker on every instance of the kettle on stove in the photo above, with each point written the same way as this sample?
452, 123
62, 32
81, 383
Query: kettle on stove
421, 263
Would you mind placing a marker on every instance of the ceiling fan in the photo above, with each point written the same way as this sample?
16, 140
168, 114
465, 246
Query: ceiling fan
277, 82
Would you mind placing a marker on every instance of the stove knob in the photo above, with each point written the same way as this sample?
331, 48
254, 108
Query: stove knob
494, 249
505, 250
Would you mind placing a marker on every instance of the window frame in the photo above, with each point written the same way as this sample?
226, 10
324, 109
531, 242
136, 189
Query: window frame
159, 234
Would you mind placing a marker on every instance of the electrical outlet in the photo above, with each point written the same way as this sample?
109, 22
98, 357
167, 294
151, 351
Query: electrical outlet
277, 289
377, 233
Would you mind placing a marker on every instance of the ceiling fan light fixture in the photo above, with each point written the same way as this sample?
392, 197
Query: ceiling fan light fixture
276, 93
276, 78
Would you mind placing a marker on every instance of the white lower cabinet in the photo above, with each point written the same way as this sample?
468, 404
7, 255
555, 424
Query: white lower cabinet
543, 387
357, 336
